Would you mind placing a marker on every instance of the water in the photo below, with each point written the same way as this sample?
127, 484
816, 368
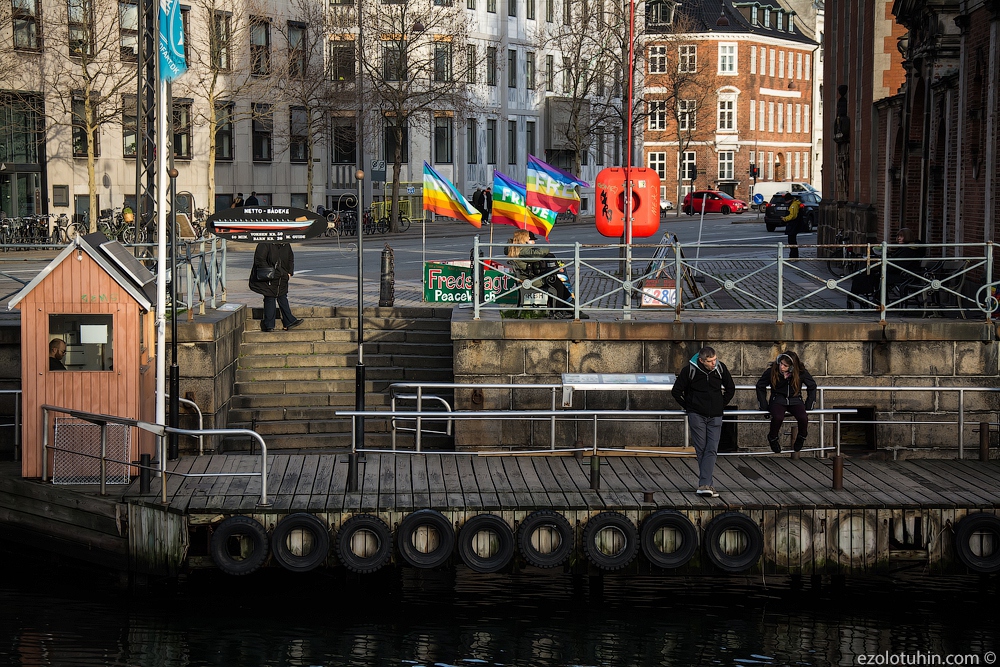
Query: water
536, 619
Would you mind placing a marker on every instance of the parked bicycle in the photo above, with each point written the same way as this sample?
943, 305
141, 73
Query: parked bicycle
843, 260
64, 231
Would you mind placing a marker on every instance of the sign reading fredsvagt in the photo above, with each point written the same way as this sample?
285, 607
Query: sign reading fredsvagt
266, 224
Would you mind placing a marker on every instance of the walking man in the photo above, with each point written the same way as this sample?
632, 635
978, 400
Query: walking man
702, 389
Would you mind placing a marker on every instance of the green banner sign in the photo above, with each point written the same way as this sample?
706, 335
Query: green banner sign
452, 282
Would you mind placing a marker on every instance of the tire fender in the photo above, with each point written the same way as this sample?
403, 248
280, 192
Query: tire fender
652, 540
425, 539
364, 543
971, 535
610, 541
535, 539
498, 543
228, 542
318, 534
719, 552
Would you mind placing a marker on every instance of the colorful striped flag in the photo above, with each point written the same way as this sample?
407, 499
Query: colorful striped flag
552, 188
443, 198
509, 207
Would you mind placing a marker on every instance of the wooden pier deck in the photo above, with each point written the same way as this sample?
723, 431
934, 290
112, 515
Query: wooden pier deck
406, 481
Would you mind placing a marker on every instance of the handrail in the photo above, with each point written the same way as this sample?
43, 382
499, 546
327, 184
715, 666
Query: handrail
160, 431
201, 420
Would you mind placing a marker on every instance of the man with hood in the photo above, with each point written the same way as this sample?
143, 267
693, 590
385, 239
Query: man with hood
703, 388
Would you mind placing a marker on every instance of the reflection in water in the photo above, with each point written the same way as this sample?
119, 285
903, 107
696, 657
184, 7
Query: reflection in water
460, 618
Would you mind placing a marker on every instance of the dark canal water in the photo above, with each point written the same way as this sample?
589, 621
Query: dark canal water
51, 615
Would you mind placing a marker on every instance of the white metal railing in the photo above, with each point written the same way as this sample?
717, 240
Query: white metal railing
158, 430
951, 278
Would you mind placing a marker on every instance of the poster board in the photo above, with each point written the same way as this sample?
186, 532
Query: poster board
659, 293
452, 282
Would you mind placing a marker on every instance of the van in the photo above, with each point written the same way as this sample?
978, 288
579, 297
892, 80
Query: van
767, 189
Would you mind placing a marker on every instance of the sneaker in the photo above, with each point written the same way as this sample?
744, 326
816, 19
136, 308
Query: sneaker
775, 445
707, 491
799, 441
294, 324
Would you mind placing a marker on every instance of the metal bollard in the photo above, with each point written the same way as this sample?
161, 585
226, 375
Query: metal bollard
595, 473
387, 285
838, 472
984, 441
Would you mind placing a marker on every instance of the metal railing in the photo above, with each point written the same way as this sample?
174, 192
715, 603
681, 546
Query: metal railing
201, 265
158, 430
737, 278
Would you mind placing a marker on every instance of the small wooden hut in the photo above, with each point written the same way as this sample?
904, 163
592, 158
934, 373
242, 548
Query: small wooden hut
97, 299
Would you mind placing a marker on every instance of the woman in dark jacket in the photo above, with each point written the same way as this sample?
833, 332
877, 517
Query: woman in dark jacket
786, 376
274, 290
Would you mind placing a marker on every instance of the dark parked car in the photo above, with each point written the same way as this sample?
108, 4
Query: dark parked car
777, 209
715, 201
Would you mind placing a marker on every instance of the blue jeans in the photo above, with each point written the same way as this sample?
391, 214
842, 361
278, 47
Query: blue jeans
705, 434
269, 311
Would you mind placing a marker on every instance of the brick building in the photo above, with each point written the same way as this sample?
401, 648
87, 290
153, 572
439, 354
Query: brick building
914, 119
729, 85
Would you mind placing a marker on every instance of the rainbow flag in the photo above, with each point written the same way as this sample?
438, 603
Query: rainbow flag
443, 198
509, 207
552, 188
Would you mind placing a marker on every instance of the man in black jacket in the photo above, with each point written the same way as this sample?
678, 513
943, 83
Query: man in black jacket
702, 389
277, 260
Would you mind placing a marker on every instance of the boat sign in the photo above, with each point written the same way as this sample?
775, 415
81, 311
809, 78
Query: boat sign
266, 224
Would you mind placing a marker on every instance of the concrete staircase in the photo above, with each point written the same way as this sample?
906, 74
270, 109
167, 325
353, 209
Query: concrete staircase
289, 384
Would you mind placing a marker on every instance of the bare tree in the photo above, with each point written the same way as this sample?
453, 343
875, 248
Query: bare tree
413, 60
21, 36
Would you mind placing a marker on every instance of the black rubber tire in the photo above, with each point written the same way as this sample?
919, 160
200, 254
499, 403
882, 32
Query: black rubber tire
835, 264
545, 519
979, 522
669, 519
320, 539
496, 527
725, 209
739, 522
233, 527
770, 227
628, 533
360, 563
410, 553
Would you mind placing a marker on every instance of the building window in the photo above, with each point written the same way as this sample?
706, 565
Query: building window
297, 49
767, 17
511, 142
394, 62
130, 125
470, 63
80, 125
491, 65
470, 4
657, 59
781, 65
754, 18
805, 166
219, 40
687, 114
90, 340
26, 24
798, 66
781, 116
529, 139
491, 141
771, 62
550, 10
727, 59
442, 140
491, 6
260, 46
345, 140
727, 113
390, 141
657, 112
753, 115
601, 147
567, 12
298, 131
550, 74
798, 117
688, 166
530, 10
726, 166
342, 62
529, 70
753, 59
770, 116
511, 68
182, 129
797, 165
471, 137
567, 72
658, 163
661, 13
80, 22
778, 19
511, 7
263, 127
791, 23
442, 60
128, 17
807, 67
687, 58
770, 165
788, 119
805, 118
224, 131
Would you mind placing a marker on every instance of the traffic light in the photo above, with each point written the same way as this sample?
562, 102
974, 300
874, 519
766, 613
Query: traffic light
754, 171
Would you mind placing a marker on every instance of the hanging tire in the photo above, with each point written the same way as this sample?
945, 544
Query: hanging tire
239, 545
486, 543
364, 543
610, 541
425, 539
308, 550
977, 541
669, 539
733, 542
545, 539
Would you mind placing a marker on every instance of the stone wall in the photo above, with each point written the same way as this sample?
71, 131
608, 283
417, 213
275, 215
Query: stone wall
931, 352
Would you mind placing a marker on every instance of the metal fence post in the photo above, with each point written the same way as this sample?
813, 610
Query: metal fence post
838, 462
780, 294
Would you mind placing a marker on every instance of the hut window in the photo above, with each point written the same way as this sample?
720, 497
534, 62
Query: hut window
88, 339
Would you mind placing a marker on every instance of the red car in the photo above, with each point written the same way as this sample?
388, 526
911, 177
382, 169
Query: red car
716, 201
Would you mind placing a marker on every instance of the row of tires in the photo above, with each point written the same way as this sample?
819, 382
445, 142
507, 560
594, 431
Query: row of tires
486, 543
732, 541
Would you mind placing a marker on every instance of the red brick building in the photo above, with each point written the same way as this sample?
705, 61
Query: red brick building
914, 121
729, 85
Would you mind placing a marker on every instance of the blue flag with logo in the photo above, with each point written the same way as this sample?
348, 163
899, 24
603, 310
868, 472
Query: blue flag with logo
172, 61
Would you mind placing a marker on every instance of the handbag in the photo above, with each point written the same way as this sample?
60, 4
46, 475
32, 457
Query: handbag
266, 272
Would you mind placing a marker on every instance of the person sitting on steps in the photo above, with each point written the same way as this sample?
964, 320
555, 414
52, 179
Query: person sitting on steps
785, 376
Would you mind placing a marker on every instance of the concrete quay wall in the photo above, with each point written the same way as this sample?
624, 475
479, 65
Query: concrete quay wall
923, 353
